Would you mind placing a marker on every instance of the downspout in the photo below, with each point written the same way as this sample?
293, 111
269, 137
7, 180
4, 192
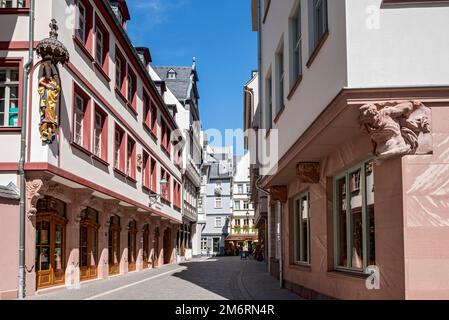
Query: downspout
22, 213
281, 251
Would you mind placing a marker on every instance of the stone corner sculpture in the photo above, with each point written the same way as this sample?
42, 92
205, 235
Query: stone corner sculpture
397, 127
52, 52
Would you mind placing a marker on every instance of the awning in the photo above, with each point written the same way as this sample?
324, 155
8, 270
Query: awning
238, 237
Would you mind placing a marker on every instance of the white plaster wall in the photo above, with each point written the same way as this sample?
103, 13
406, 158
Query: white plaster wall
69, 159
403, 46
321, 82
7, 177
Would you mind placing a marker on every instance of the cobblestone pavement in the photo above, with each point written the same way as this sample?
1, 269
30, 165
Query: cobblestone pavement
221, 278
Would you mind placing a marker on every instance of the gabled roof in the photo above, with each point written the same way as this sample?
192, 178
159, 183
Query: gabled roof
179, 86
9, 192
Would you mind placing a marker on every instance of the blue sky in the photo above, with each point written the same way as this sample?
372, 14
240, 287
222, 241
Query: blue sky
217, 33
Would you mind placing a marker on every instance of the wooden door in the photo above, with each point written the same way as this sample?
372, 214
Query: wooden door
132, 249
50, 250
146, 246
156, 248
88, 251
114, 249
167, 246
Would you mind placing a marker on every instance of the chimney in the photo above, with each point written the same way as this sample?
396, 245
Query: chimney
144, 55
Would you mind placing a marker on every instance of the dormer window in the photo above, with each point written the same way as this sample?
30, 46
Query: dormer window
171, 74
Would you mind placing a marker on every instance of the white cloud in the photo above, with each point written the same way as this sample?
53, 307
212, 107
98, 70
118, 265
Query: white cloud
156, 11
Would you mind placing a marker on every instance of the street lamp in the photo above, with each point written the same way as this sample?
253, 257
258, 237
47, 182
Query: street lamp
154, 196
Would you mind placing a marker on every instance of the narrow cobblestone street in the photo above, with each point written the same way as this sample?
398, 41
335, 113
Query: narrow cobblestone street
221, 278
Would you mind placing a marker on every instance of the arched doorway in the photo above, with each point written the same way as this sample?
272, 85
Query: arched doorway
146, 245
88, 248
50, 242
132, 245
156, 248
167, 246
114, 245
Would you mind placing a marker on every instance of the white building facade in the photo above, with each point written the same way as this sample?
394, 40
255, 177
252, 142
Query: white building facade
89, 192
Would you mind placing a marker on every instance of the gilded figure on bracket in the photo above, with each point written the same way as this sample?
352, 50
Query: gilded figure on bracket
49, 89
52, 52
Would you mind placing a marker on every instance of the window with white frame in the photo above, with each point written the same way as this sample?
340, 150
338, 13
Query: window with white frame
240, 188
302, 229
12, 3
79, 120
98, 129
354, 233
118, 73
130, 87
171, 74
9, 97
319, 23
218, 203
218, 222
99, 46
82, 22
237, 222
245, 205
248, 188
296, 46
269, 102
237, 205
203, 244
117, 148
280, 73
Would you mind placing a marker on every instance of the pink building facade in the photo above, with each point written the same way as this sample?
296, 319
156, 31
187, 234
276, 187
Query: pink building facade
90, 188
357, 197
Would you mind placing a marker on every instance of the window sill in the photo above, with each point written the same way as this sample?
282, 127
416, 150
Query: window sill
10, 129
166, 202
101, 160
295, 86
121, 96
131, 109
120, 172
101, 71
348, 274
317, 49
89, 153
146, 189
279, 114
19, 11
150, 132
83, 48
131, 179
81, 148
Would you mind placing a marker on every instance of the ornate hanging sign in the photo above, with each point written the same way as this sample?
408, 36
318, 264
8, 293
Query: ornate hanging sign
52, 52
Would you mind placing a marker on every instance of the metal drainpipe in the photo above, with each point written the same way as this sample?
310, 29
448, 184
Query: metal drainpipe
281, 252
26, 71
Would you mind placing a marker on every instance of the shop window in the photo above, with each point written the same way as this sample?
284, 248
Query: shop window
354, 218
302, 229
